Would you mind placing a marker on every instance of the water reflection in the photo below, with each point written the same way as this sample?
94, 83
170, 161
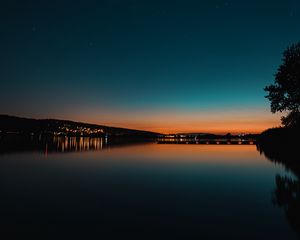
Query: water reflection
287, 196
13, 144
78, 144
160, 190
287, 192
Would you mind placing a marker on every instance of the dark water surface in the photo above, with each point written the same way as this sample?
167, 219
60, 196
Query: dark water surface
90, 189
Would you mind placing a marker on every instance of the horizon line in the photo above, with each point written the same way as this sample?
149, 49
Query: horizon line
164, 132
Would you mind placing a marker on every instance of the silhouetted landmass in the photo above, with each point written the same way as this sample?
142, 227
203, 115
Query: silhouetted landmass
281, 146
28, 126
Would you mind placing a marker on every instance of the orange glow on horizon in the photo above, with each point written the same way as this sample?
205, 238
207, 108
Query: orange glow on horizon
235, 121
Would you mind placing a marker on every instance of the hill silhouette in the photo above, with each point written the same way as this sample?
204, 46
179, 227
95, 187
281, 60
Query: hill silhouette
21, 126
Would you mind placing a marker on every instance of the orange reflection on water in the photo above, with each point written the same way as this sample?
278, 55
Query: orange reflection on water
77, 144
97, 149
183, 153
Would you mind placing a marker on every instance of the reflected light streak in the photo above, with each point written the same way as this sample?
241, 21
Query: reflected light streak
77, 144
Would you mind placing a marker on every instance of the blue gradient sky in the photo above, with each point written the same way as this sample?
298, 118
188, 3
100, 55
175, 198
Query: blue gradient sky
165, 66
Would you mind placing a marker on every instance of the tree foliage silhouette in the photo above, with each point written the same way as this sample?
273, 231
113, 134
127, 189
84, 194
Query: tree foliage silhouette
284, 94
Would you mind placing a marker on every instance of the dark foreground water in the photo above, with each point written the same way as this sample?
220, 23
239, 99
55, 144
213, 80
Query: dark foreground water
90, 189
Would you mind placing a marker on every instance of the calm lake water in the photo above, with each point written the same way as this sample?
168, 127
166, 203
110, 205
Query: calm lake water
87, 187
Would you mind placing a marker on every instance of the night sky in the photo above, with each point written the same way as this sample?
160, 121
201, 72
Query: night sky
166, 66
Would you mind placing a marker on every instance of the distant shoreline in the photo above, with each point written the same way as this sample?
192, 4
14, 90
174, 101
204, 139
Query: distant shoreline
28, 126
14, 125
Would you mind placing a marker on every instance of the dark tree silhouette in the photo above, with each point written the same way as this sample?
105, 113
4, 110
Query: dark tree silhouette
284, 94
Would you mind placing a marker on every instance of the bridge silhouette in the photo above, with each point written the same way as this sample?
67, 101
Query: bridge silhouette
208, 141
